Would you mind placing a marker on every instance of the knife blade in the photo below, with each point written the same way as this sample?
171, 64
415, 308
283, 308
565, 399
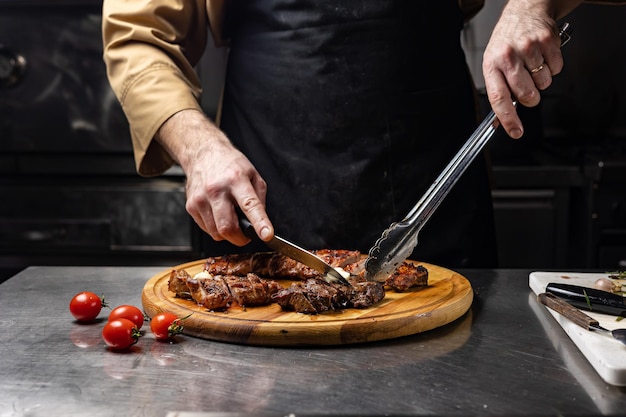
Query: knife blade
293, 251
590, 299
398, 241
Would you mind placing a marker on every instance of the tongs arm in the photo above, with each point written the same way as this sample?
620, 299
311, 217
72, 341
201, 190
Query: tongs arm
398, 241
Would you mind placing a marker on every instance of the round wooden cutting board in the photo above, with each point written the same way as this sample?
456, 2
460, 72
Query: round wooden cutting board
447, 297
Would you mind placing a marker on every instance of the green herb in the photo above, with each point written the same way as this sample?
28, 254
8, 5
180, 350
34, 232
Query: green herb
619, 318
587, 300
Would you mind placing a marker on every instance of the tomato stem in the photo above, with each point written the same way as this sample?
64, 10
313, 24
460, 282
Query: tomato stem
136, 334
104, 303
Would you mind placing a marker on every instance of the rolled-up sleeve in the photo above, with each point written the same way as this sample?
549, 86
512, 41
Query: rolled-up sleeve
150, 50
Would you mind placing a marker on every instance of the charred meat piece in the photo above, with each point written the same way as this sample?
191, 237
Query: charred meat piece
356, 269
287, 268
218, 292
210, 291
236, 264
274, 265
324, 296
235, 279
294, 299
406, 276
251, 290
365, 294
266, 264
311, 297
317, 296
178, 283
338, 258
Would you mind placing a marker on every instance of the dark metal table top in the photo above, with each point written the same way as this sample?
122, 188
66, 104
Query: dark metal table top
506, 357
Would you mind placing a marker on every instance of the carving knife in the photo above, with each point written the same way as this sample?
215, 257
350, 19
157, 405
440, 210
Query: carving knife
398, 241
578, 317
293, 251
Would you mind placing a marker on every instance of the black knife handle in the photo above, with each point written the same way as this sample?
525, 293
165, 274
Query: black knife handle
247, 228
567, 310
590, 299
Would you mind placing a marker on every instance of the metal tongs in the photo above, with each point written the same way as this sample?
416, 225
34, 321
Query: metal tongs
398, 241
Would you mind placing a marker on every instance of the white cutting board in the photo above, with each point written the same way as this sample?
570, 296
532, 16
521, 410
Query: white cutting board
606, 355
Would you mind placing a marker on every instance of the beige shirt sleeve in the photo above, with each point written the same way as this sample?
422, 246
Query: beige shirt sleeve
150, 50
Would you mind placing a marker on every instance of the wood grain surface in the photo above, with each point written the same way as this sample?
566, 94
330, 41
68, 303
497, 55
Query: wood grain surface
447, 297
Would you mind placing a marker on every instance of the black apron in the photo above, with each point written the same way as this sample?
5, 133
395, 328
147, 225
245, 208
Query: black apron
349, 110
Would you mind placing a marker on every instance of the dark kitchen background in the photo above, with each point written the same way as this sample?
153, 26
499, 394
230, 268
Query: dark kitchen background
71, 195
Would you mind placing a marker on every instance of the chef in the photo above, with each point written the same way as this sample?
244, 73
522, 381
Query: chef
336, 116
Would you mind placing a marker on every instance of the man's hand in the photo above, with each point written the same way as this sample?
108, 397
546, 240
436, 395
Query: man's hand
522, 56
220, 178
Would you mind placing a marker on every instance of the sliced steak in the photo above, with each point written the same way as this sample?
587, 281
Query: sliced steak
178, 283
305, 297
338, 258
294, 299
276, 266
283, 267
235, 278
218, 292
317, 296
236, 264
210, 291
251, 290
365, 294
323, 296
356, 269
408, 275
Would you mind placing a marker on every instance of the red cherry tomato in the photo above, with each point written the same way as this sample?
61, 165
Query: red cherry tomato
129, 312
86, 305
120, 334
166, 325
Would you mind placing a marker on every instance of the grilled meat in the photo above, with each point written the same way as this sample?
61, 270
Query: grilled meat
231, 279
365, 294
218, 292
251, 290
317, 296
276, 266
338, 258
406, 276
178, 283
210, 291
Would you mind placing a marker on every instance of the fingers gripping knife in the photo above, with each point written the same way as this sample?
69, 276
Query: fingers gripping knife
398, 241
295, 252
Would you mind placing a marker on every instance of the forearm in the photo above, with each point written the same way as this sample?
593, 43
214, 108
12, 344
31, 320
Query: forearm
150, 49
188, 133
219, 177
554, 9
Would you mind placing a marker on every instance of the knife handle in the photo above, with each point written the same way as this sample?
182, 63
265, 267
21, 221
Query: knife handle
247, 228
567, 310
590, 299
